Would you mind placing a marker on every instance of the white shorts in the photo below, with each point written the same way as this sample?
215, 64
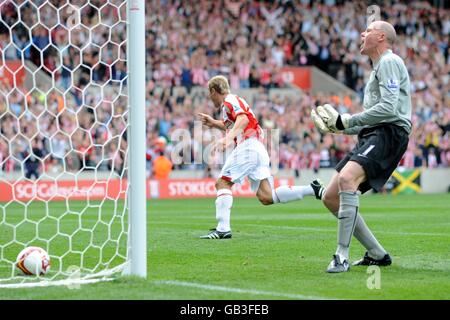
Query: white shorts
249, 159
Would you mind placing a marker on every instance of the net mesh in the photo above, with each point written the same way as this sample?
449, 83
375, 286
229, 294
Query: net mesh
63, 142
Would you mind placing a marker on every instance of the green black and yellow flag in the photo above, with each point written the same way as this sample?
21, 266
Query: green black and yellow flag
406, 181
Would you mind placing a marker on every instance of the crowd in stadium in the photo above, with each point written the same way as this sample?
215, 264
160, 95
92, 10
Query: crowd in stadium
249, 41
189, 42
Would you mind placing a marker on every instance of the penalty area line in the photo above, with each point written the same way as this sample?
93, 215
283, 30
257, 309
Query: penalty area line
240, 290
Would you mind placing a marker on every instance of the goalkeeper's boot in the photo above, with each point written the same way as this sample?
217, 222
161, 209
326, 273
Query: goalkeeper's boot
215, 234
318, 188
338, 265
369, 261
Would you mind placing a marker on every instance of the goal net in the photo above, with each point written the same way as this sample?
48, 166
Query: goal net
65, 138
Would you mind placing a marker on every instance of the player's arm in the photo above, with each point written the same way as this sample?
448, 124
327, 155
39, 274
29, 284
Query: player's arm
239, 125
208, 121
322, 126
353, 130
389, 76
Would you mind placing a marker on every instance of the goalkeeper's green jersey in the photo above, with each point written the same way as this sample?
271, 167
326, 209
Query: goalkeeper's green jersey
387, 97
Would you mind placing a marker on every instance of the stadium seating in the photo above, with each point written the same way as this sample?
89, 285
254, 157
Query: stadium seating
249, 41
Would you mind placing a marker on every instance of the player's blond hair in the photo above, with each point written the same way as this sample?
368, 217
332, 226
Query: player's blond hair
219, 84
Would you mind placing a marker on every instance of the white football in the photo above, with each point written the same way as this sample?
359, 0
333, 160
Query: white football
33, 261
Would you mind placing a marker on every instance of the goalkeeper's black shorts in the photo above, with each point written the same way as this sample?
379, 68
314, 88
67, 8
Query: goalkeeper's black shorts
379, 150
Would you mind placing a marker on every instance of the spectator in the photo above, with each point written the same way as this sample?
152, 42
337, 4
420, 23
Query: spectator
33, 159
162, 166
248, 40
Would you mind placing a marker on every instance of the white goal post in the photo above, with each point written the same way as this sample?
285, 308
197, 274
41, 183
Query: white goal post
138, 206
73, 139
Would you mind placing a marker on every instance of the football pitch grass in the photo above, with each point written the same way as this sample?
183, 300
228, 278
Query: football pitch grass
281, 252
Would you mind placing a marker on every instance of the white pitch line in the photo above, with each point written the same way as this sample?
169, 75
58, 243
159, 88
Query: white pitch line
333, 230
239, 290
313, 229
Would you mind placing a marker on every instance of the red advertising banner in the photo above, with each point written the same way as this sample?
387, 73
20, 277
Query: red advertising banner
298, 76
199, 188
116, 189
10, 70
61, 190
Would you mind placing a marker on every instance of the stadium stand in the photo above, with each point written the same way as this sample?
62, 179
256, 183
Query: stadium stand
249, 42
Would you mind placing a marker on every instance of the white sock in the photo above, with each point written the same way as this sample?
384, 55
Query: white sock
224, 202
285, 194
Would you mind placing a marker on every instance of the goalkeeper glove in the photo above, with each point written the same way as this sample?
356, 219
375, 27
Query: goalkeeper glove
319, 123
332, 119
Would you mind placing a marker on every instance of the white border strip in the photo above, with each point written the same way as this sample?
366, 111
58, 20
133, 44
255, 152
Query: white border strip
239, 290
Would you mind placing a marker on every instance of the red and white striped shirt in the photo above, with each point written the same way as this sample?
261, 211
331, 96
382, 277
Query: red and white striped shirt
243, 70
233, 106
199, 76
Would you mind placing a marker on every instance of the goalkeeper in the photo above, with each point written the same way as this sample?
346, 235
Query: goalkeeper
383, 132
